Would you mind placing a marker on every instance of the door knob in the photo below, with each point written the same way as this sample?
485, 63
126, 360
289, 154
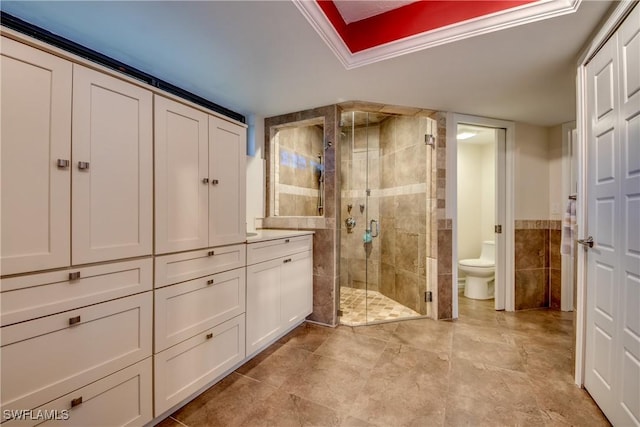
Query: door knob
586, 242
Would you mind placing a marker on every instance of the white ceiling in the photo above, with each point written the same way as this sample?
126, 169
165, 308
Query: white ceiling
263, 58
357, 10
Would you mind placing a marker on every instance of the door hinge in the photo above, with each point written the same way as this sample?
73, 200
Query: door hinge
498, 229
428, 296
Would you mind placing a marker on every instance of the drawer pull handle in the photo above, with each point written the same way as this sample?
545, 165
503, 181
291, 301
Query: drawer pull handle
211, 253
74, 276
286, 241
205, 180
62, 163
287, 260
83, 165
74, 320
210, 282
75, 402
210, 335
215, 182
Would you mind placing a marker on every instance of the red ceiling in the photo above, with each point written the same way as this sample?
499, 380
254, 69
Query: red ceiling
409, 20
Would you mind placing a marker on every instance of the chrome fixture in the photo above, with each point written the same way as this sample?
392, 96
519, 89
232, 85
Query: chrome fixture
350, 223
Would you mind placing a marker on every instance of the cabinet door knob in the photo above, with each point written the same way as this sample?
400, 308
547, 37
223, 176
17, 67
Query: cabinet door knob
83, 165
205, 180
215, 182
211, 253
74, 320
74, 276
210, 282
210, 335
62, 163
75, 402
286, 240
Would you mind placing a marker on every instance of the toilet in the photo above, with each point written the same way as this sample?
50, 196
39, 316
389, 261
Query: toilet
480, 272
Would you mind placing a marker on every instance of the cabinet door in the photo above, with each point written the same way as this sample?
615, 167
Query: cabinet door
181, 176
112, 170
263, 304
35, 133
227, 172
296, 288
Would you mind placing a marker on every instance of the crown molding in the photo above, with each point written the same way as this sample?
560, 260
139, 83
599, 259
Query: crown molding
520, 15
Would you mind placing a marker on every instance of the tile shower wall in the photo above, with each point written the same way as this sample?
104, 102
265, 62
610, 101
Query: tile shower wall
298, 170
537, 269
326, 249
444, 251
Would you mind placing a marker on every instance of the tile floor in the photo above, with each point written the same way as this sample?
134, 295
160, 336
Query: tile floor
360, 307
486, 369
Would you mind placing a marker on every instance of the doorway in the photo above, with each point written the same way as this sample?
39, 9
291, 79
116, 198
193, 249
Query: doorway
491, 228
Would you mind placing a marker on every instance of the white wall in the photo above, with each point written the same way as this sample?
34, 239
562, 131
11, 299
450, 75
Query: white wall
470, 199
557, 202
532, 181
256, 182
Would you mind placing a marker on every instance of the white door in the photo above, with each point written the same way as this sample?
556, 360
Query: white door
36, 133
612, 357
112, 168
500, 283
181, 176
227, 171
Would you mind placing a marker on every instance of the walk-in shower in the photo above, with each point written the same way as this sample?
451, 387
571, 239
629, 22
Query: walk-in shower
387, 189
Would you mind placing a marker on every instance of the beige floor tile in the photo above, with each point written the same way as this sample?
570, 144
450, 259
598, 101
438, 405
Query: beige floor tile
328, 382
486, 369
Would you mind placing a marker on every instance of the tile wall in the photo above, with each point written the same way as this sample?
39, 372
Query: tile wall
537, 264
297, 173
326, 240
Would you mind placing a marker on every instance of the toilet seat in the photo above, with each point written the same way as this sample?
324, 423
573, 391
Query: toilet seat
477, 262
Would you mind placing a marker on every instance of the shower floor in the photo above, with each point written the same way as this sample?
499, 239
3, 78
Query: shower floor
360, 307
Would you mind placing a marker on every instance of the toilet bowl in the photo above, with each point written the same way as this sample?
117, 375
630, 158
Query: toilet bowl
480, 273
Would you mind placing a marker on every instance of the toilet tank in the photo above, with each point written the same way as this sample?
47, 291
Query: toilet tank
488, 251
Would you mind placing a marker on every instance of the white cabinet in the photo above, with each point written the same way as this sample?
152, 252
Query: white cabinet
37, 295
227, 173
187, 367
200, 299
36, 134
45, 358
186, 309
128, 390
200, 178
279, 291
112, 171
90, 159
181, 176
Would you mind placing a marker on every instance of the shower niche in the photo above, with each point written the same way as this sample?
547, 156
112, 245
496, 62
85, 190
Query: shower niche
297, 168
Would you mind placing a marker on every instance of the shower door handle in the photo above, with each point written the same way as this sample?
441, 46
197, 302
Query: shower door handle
371, 223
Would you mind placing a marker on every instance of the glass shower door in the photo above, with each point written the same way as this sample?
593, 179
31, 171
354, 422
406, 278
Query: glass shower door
384, 222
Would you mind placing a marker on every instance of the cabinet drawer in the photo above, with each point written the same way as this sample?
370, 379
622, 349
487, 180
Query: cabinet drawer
186, 309
121, 399
37, 295
48, 357
181, 267
270, 249
187, 367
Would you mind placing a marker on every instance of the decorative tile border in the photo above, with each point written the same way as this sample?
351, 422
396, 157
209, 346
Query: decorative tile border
538, 224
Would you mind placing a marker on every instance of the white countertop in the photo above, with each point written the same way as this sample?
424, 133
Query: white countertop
271, 234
